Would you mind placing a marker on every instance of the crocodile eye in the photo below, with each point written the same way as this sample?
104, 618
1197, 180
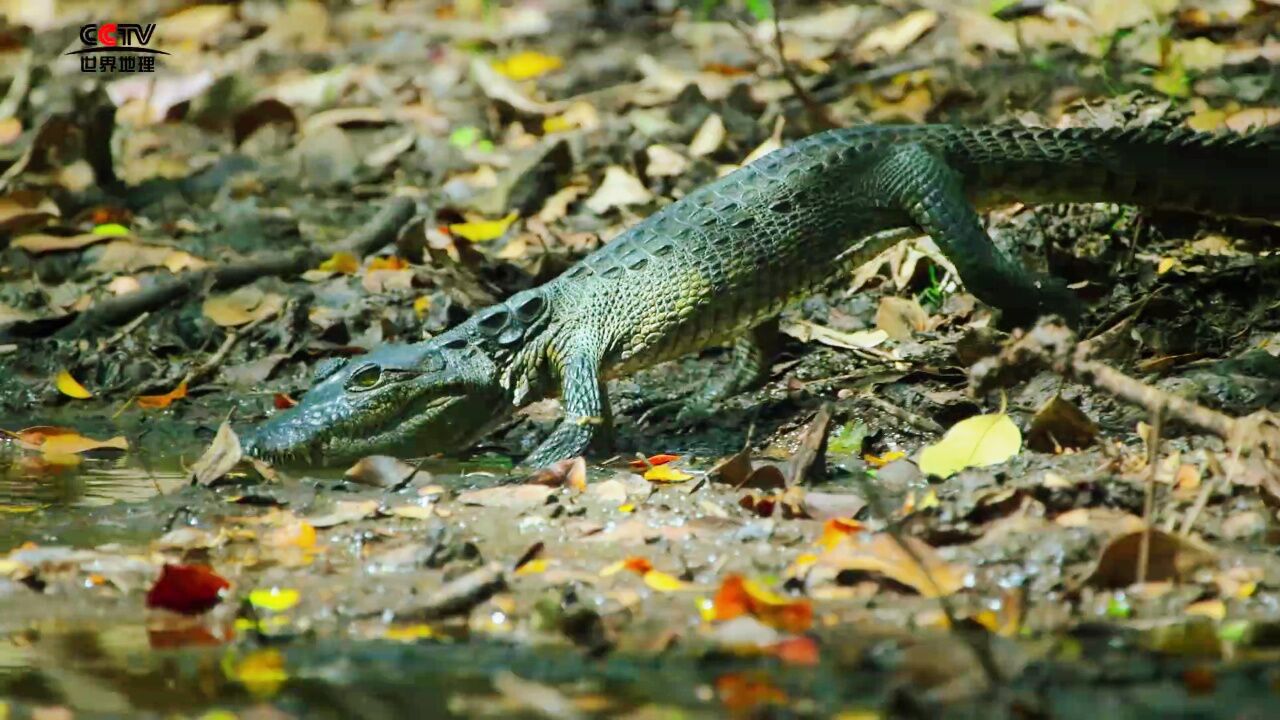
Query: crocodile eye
366, 378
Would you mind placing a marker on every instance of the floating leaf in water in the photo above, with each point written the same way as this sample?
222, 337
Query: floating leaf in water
69, 386
978, 441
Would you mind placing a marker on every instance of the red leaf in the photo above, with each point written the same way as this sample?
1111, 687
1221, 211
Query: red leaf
187, 589
284, 402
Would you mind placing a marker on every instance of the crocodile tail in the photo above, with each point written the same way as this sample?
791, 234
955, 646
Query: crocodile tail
1225, 174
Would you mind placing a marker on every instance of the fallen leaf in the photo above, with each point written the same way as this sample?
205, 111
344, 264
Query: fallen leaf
660, 459
156, 402
58, 441
884, 554
274, 599
262, 672
896, 36
666, 474
571, 472
806, 331
187, 589
979, 441
738, 596
510, 497
345, 511
484, 230
664, 162
69, 386
341, 262
1169, 559
220, 457
900, 317
1060, 425
384, 471
241, 307
527, 65
618, 189
831, 506
40, 243
709, 137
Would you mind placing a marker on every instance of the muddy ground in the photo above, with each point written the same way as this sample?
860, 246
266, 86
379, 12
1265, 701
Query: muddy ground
176, 251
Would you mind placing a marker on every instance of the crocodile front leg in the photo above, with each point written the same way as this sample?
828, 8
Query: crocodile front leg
914, 179
586, 405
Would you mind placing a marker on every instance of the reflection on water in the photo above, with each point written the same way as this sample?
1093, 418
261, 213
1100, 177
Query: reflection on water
26, 485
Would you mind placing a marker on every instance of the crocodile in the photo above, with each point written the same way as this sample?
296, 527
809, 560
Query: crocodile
719, 265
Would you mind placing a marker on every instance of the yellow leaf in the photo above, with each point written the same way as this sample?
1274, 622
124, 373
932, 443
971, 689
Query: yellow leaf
408, 633
978, 441
663, 582
666, 474
413, 512
527, 65
885, 459
274, 599
535, 566
484, 230
627, 508
421, 305
70, 387
1165, 265
341, 262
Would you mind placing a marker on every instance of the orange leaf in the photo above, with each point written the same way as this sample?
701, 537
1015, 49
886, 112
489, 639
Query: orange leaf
392, 262
738, 596
653, 460
836, 529
637, 565
157, 402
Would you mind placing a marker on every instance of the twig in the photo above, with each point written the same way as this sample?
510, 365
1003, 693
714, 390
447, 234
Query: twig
379, 231
1053, 346
1149, 493
200, 371
818, 114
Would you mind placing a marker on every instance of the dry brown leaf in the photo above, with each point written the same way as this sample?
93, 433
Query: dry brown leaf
896, 36
384, 471
222, 455
882, 553
40, 243
510, 497
618, 189
900, 318
709, 138
1060, 425
241, 306
345, 511
1170, 558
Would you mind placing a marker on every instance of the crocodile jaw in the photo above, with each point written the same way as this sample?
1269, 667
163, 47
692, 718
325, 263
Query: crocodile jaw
423, 401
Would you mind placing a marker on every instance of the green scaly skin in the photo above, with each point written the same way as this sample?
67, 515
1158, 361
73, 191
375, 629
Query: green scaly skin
727, 258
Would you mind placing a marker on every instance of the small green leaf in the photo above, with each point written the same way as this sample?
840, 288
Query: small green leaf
761, 10
111, 229
464, 137
847, 439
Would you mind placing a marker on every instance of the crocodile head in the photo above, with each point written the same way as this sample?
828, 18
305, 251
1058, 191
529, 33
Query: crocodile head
417, 399
439, 395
